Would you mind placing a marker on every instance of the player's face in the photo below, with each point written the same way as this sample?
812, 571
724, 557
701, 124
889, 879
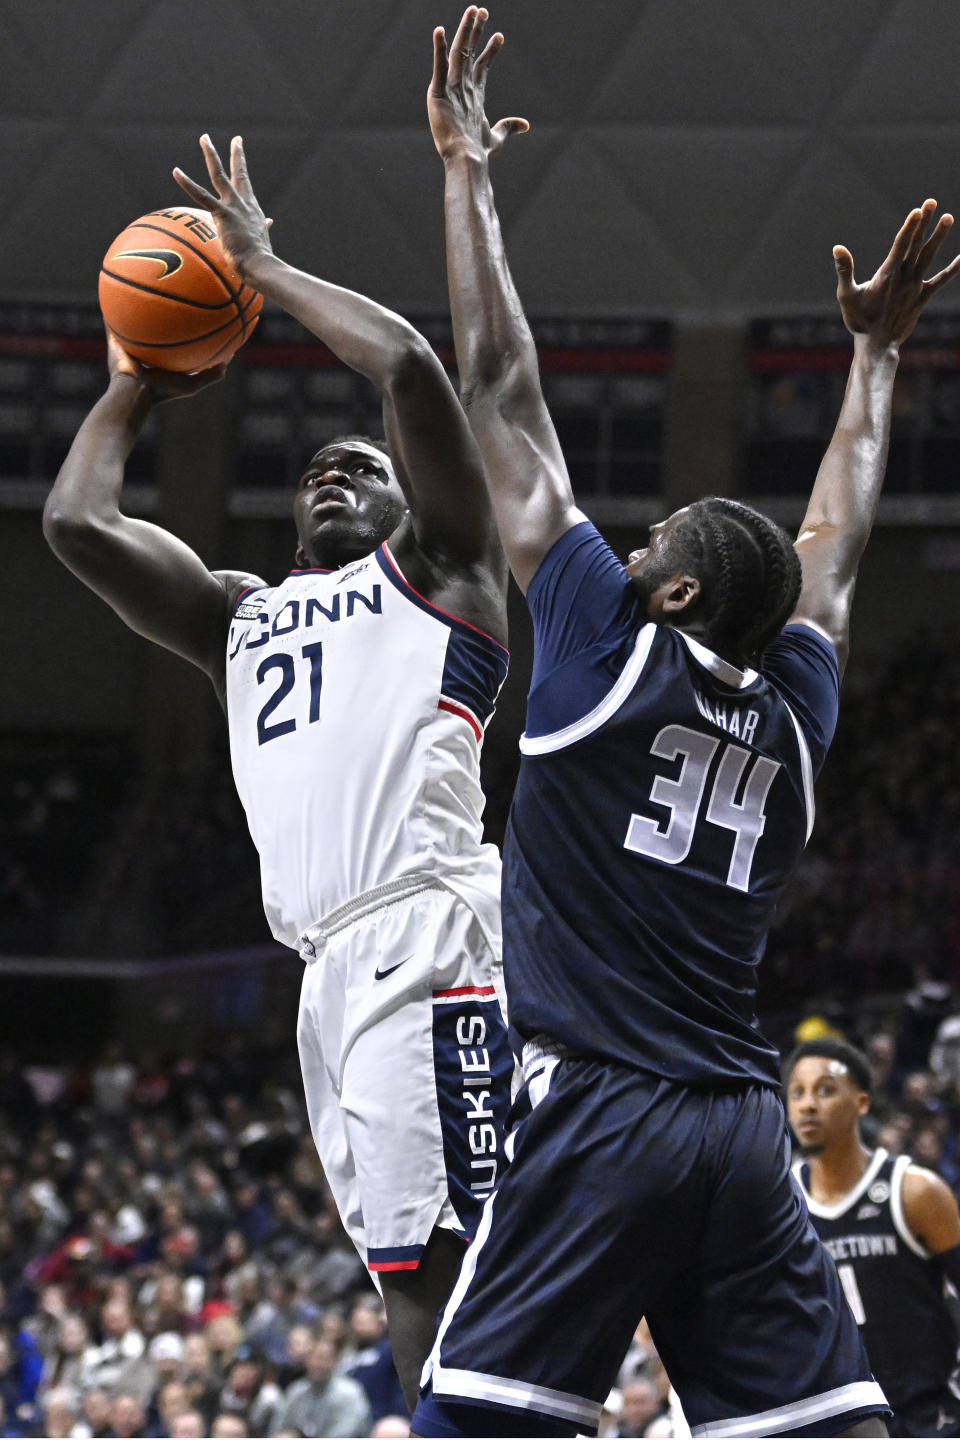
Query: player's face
348, 503
652, 568
824, 1104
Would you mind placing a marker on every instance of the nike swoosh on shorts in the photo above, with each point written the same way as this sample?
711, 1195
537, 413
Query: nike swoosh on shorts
379, 974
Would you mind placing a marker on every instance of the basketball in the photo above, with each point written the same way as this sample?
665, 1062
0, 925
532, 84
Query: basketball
170, 295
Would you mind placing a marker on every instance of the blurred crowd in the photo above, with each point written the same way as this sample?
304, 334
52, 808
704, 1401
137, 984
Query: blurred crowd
171, 1263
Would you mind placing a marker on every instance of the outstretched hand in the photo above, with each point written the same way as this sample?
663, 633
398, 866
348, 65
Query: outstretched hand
455, 97
887, 306
162, 384
243, 228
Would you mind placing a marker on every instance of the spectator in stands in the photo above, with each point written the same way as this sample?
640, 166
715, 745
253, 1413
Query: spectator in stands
162, 1304
188, 1425
297, 1347
223, 1336
369, 1359
251, 1213
229, 1427
197, 1375
641, 1406
63, 1364
250, 1392
169, 1400
390, 1427
207, 1204
59, 1410
21, 1368
324, 1403
119, 1362
96, 1413
290, 1232
127, 1416
112, 1083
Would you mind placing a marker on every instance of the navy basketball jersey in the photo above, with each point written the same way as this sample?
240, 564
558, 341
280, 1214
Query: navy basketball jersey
893, 1286
664, 799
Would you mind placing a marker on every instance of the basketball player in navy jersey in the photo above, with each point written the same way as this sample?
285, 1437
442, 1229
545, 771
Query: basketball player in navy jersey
356, 693
893, 1229
674, 729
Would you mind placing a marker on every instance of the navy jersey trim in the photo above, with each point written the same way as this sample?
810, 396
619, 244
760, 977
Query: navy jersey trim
250, 590
396, 577
600, 714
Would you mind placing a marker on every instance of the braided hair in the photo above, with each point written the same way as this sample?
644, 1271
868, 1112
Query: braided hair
748, 570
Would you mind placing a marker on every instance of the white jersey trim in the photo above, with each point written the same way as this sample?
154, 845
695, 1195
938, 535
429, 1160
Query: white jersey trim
834, 1212
600, 714
901, 1166
855, 1396
474, 1385
806, 771
722, 669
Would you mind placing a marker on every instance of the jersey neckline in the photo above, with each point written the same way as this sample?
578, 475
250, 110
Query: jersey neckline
834, 1212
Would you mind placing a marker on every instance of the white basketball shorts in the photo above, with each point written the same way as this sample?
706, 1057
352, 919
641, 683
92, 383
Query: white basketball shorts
406, 1065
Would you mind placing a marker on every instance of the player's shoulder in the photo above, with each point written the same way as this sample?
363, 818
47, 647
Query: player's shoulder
921, 1184
802, 638
930, 1208
235, 584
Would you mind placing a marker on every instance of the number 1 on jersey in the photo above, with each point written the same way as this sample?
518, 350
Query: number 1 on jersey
684, 795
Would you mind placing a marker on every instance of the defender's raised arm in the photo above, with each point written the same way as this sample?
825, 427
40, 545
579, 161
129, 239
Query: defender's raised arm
499, 376
880, 314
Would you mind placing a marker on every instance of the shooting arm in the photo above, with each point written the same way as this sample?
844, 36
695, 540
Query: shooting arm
154, 582
434, 453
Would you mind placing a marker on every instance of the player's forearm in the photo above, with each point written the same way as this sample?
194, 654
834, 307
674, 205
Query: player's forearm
494, 345
850, 479
87, 489
372, 340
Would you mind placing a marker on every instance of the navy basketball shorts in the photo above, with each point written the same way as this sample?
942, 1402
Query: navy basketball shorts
627, 1196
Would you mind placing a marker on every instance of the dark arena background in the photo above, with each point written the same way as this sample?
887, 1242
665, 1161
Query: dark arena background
669, 221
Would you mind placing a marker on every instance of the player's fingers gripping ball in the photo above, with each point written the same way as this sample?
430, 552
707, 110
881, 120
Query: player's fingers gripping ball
170, 295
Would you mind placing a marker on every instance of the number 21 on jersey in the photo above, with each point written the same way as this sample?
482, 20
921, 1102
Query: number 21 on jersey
683, 797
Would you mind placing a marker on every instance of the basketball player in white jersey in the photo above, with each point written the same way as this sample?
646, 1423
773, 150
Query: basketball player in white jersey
356, 692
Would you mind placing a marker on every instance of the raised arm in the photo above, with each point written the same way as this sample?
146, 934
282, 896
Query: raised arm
154, 582
499, 376
434, 453
880, 314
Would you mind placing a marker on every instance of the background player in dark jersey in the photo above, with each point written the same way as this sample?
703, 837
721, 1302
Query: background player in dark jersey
664, 798
427, 496
893, 1229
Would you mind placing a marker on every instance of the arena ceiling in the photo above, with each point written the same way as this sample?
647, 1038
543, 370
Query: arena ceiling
693, 157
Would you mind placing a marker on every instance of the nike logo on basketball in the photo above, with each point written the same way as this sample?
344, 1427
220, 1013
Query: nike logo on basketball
169, 259
379, 974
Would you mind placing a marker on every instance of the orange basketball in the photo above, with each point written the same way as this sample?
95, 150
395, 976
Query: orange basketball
171, 297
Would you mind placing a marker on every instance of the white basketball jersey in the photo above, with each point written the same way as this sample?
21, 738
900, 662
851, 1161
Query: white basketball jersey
356, 712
